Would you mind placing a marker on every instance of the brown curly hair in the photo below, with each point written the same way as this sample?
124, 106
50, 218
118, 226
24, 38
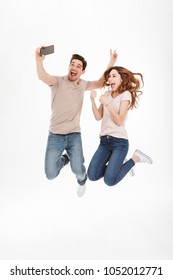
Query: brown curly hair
129, 83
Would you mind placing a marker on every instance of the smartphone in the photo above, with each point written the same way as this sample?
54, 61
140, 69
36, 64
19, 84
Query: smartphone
47, 50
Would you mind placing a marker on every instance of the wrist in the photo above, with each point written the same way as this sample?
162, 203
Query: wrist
92, 100
107, 104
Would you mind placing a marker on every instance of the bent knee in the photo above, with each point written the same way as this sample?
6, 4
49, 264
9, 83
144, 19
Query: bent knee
109, 183
92, 177
51, 175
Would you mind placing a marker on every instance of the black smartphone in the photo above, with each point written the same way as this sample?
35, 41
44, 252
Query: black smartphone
47, 50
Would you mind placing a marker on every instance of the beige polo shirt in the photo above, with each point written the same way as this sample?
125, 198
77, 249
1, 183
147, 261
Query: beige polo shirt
108, 126
66, 105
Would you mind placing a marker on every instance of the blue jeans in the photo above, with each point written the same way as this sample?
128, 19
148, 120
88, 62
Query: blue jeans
54, 161
108, 161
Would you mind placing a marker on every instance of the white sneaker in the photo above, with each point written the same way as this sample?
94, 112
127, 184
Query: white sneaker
143, 157
81, 190
131, 171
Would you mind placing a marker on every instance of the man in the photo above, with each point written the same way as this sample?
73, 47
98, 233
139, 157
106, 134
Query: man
66, 104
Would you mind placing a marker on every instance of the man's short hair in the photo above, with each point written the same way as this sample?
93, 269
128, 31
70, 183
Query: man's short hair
81, 58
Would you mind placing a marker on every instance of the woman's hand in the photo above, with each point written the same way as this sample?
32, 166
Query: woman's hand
113, 57
104, 100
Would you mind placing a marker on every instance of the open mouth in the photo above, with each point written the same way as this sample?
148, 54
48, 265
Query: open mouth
73, 74
112, 84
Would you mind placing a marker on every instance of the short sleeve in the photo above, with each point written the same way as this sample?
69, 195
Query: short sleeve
57, 81
126, 96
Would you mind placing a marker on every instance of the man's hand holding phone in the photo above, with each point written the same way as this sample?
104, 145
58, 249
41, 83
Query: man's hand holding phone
37, 54
42, 51
46, 50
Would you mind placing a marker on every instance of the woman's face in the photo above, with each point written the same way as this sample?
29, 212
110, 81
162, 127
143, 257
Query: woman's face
114, 79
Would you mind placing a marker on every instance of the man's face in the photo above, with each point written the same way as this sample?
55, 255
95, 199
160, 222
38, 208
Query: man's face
75, 70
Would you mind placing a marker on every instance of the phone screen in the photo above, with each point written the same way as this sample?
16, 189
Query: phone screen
47, 50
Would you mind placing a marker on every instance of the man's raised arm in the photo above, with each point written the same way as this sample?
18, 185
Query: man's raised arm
42, 74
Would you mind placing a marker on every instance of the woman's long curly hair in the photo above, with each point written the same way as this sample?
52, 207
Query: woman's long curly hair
129, 83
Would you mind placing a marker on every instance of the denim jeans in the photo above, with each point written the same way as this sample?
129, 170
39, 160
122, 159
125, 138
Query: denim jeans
108, 161
54, 161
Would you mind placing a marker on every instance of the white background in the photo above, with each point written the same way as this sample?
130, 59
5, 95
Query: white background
41, 219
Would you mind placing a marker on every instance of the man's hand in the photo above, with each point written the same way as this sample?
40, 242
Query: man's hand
38, 56
93, 94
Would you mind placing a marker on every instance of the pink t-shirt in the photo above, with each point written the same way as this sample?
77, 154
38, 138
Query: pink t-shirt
108, 126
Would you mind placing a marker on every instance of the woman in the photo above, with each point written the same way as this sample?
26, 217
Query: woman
109, 161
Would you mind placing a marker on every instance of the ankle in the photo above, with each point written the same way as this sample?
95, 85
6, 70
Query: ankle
135, 159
